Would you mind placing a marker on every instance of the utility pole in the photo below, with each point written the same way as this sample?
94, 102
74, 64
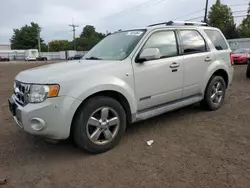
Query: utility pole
74, 33
39, 42
205, 17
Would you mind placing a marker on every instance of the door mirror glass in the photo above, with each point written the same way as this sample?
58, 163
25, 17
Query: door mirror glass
149, 54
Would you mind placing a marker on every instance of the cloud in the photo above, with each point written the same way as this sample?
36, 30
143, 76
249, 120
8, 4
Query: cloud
54, 16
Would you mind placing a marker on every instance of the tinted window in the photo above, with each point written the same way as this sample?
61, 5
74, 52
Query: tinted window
165, 41
217, 39
192, 42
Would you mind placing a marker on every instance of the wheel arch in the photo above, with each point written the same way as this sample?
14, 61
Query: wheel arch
223, 74
218, 72
112, 94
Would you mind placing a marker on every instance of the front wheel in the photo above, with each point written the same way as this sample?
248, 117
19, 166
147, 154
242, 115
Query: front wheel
99, 124
215, 93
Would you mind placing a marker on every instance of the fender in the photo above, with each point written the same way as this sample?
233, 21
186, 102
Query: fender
84, 89
217, 65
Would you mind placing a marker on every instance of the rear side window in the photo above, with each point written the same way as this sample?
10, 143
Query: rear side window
192, 42
217, 39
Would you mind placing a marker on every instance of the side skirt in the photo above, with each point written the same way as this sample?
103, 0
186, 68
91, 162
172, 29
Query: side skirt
158, 110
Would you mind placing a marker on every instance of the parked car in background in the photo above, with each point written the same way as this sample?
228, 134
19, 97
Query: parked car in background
241, 55
248, 68
128, 77
4, 58
31, 55
40, 58
76, 57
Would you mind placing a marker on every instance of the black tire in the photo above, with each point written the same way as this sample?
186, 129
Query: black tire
207, 102
80, 134
248, 71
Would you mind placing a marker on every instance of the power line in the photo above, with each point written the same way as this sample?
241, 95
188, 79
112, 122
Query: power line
189, 14
238, 16
135, 8
236, 5
235, 16
239, 11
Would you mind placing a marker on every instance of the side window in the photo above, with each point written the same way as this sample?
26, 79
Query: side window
192, 42
217, 39
165, 41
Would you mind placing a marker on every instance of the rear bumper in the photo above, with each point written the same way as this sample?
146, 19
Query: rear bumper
231, 73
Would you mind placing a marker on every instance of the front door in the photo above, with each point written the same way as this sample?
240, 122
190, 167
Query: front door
159, 81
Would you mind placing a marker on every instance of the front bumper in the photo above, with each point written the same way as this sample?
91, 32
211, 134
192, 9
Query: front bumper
56, 113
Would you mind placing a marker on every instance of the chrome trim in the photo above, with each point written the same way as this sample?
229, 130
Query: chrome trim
166, 108
20, 92
18, 122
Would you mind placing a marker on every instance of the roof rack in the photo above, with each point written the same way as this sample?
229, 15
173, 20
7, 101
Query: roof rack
180, 23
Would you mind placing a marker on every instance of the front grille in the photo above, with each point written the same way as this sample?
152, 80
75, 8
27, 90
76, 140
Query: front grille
20, 92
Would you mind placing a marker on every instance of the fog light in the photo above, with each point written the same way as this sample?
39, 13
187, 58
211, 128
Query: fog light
37, 124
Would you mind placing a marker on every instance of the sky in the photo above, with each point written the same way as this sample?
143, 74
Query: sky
54, 16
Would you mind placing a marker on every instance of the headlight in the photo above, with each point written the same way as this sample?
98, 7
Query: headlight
38, 93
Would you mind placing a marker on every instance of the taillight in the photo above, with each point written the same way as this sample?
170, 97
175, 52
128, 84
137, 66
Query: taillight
231, 59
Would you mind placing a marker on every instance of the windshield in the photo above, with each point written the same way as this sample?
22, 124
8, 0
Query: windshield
242, 51
116, 46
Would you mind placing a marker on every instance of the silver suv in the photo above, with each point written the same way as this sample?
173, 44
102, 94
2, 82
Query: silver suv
129, 76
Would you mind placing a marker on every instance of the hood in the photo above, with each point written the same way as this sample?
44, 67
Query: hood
54, 73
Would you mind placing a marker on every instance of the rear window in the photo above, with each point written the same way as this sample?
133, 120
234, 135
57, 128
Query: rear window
217, 39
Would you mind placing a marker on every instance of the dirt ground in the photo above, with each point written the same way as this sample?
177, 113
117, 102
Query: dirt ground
192, 148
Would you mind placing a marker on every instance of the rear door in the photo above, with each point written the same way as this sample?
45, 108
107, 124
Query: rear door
222, 48
196, 59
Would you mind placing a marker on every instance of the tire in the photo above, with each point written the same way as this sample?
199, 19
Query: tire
248, 71
214, 92
96, 108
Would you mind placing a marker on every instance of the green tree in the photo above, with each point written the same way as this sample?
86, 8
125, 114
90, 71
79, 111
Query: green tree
58, 45
221, 16
88, 38
244, 27
26, 37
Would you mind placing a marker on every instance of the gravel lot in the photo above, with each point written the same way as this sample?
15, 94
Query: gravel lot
192, 148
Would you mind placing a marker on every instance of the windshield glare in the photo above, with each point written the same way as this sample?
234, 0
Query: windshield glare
116, 46
242, 50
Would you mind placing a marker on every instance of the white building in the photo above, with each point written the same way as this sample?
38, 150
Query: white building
5, 47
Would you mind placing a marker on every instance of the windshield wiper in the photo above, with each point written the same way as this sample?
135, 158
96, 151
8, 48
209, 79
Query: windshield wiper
93, 58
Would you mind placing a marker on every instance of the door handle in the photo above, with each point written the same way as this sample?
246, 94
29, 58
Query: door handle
208, 59
174, 65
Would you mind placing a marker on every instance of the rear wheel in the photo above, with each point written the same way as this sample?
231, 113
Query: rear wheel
248, 71
99, 124
215, 93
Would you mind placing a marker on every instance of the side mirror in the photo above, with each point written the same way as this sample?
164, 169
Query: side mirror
149, 54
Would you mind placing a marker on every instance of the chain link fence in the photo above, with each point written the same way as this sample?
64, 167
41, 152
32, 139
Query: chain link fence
20, 55
239, 43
